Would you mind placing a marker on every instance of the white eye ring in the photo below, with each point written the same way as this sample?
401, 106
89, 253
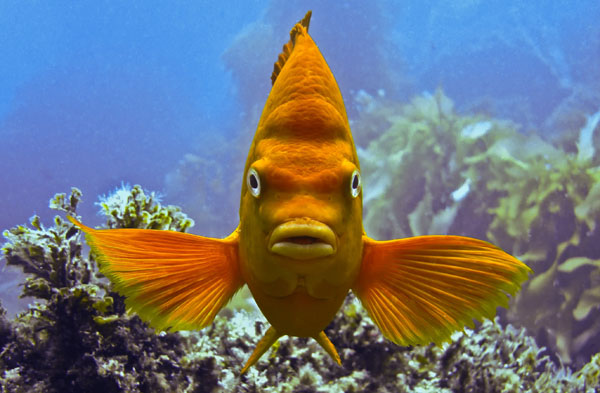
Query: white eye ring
355, 183
253, 182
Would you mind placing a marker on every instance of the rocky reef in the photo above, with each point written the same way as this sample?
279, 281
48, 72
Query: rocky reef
77, 335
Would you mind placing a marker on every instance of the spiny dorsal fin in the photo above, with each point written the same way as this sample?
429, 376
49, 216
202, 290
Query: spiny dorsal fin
299, 28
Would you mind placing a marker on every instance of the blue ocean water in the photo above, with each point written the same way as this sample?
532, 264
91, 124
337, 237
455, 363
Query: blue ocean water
94, 94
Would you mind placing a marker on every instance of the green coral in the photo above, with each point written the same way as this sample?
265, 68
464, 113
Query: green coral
432, 171
53, 255
81, 339
131, 207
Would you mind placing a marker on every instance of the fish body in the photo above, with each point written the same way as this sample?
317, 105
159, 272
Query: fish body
303, 156
300, 245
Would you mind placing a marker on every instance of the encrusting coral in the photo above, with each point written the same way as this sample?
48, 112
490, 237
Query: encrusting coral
78, 337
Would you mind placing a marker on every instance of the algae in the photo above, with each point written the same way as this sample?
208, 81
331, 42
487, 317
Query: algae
429, 170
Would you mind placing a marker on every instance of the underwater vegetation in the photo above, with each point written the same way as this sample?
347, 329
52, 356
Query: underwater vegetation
77, 335
440, 172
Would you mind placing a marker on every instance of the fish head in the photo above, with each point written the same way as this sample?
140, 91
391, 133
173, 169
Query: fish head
301, 202
302, 224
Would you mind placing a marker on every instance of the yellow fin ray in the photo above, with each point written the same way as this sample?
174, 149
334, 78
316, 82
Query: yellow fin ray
263, 345
328, 346
173, 280
422, 289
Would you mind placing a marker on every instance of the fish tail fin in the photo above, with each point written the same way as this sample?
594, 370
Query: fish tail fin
328, 346
173, 280
270, 337
420, 290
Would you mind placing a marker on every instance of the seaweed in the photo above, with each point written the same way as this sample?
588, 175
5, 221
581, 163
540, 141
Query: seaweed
78, 336
429, 170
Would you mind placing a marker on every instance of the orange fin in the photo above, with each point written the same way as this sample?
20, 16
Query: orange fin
172, 280
328, 346
263, 345
420, 290
271, 336
299, 28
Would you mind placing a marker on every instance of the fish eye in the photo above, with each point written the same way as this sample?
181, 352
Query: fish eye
253, 182
355, 184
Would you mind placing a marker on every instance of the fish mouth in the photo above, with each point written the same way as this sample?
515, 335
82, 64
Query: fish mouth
303, 239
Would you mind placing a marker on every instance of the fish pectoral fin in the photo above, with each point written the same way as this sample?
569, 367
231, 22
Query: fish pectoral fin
263, 345
173, 280
328, 346
420, 290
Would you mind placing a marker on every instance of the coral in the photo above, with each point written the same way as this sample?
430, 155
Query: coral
489, 359
52, 255
79, 338
432, 171
130, 207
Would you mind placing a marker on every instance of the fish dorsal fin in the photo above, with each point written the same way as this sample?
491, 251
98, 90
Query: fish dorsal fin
298, 29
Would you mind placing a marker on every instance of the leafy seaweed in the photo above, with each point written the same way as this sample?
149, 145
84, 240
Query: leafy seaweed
433, 171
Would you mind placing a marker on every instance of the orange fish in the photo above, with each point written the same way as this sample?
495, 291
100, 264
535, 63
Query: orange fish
300, 245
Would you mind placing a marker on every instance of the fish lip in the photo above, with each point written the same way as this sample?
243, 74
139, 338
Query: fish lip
314, 239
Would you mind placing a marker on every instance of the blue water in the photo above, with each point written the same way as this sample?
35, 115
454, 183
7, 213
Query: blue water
93, 94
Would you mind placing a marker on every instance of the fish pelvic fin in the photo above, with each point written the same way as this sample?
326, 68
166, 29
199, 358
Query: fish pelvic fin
420, 290
270, 337
172, 280
328, 346
299, 28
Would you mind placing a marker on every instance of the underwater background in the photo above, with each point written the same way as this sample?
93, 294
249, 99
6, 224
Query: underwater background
475, 118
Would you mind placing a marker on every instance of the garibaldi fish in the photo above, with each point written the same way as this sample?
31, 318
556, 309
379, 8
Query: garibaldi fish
300, 245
